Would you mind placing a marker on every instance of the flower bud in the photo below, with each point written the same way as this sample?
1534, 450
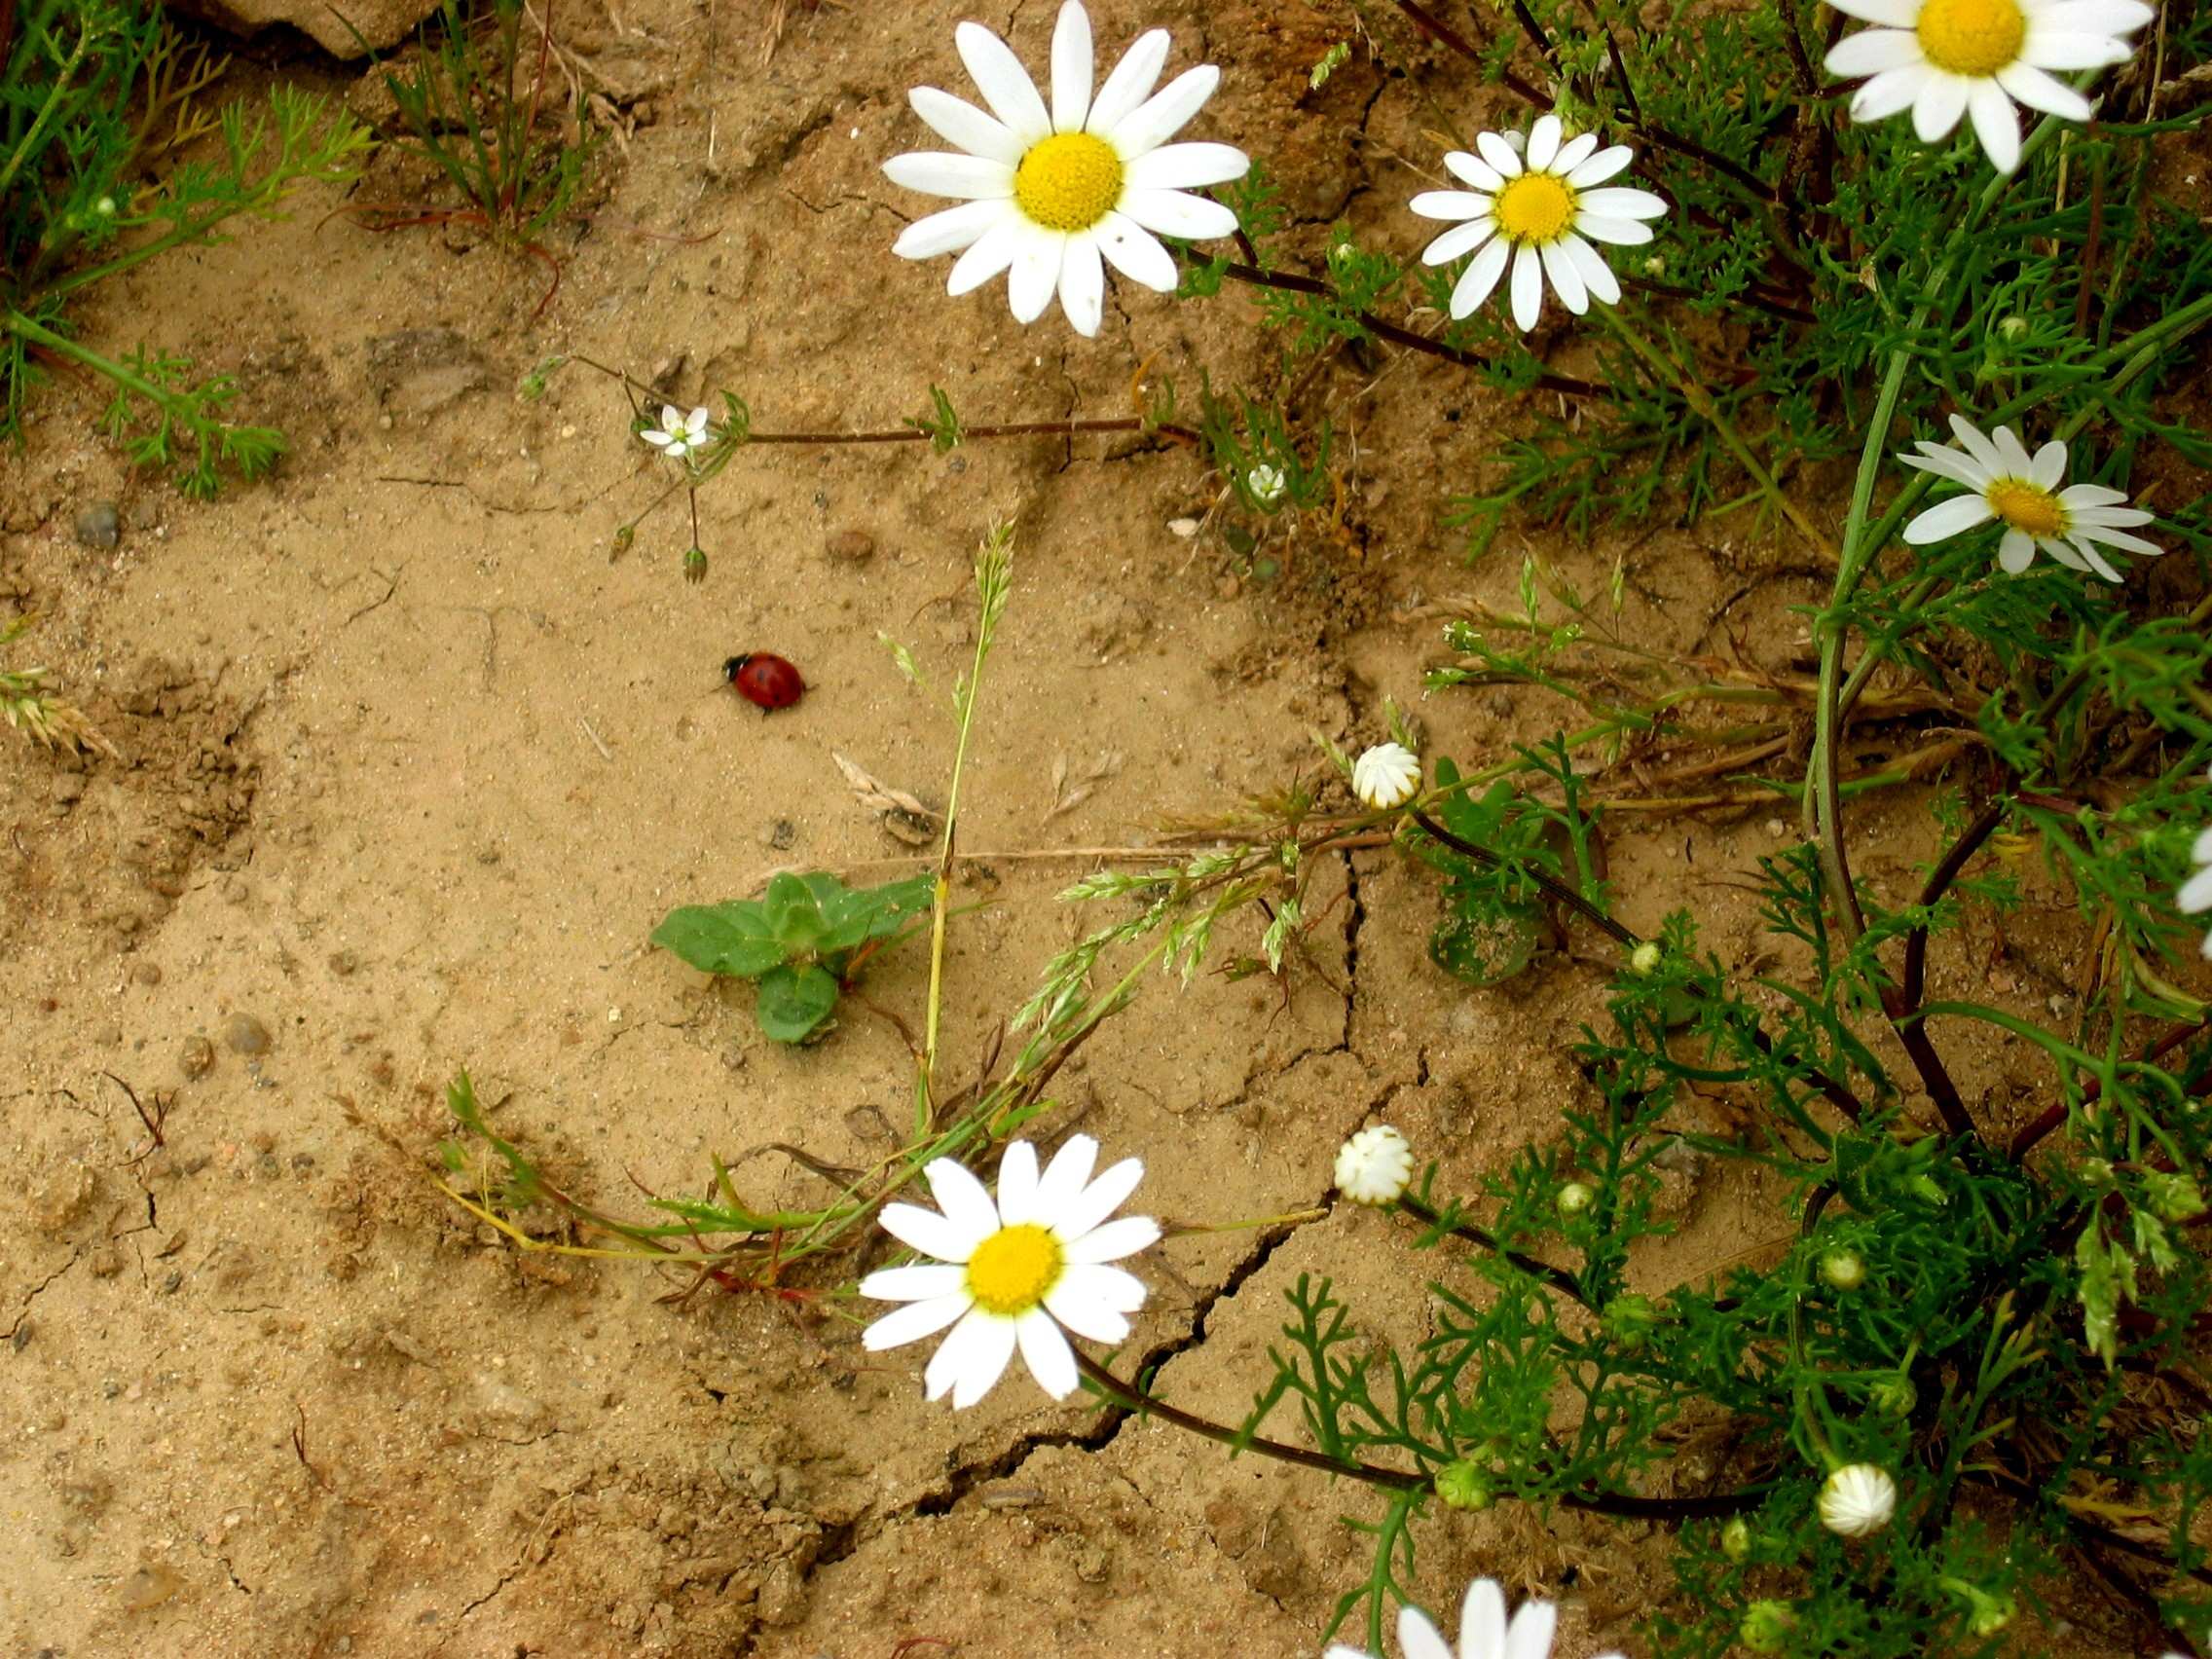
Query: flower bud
1736, 1538
1463, 1485
2013, 327
1374, 1166
1843, 1269
1574, 1199
1630, 1318
2173, 1197
1766, 1626
1858, 1500
1644, 958
1894, 1396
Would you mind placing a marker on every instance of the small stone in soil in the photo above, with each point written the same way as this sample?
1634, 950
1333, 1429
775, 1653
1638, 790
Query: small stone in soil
98, 526
197, 1059
242, 1034
850, 546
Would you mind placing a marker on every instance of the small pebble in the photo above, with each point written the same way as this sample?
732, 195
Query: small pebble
851, 547
1186, 528
98, 526
242, 1034
197, 1059
147, 973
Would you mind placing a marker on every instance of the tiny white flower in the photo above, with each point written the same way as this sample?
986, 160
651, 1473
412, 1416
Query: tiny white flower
1945, 58
1266, 484
1483, 1630
2196, 892
1011, 1271
679, 435
1386, 775
2021, 492
1538, 205
1374, 1166
1049, 192
1858, 1500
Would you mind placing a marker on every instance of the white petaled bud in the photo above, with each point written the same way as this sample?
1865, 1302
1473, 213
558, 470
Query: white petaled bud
2013, 327
1385, 776
1374, 1166
1266, 484
1858, 1500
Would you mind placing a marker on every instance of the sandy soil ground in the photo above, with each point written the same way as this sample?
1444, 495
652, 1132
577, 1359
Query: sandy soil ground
410, 767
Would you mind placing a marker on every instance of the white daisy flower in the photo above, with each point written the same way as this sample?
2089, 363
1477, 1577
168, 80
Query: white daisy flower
1047, 192
2021, 492
1484, 1632
1976, 58
1858, 1500
1013, 1271
1374, 1166
679, 435
1538, 205
2196, 892
1386, 775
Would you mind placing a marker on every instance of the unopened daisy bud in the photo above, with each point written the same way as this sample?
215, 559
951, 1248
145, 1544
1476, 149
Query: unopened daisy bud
1894, 1396
1736, 1538
2097, 1171
1266, 484
1843, 1269
1464, 1486
1986, 1614
1574, 1199
2013, 327
1644, 958
1766, 1626
1374, 1166
1386, 775
1631, 1318
1858, 1500
2173, 1197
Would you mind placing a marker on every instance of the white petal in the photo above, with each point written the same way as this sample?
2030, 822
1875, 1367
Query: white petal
1459, 240
1176, 213
1974, 444
1018, 1185
1082, 284
659, 439
2038, 90
1622, 203
1036, 274
1071, 68
940, 172
2196, 894
1045, 1352
671, 418
1087, 1315
932, 1234
1114, 1289
1565, 279
970, 1361
1417, 1639
1069, 1172
2049, 49
2097, 561
1474, 170
1597, 276
1872, 51
1533, 1626
1481, 1620
960, 123
1573, 153
1137, 255
1131, 82
2200, 850
1113, 1241
1098, 1200
2018, 464
1494, 149
961, 1197
1948, 518
914, 1321
1185, 167
2087, 532
2049, 466
1600, 167
991, 254
2016, 552
1528, 288
1888, 92
915, 1284
1948, 463
1450, 204
1995, 125
1621, 232
2065, 553
949, 231
2090, 496
2107, 515
695, 423
2091, 16
1162, 115
1480, 278
1936, 112
1003, 83
1890, 14
1543, 142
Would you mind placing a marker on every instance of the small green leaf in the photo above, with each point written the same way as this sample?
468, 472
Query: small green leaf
793, 911
794, 1002
731, 939
1488, 949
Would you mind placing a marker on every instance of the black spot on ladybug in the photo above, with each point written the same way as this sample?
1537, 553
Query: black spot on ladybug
764, 680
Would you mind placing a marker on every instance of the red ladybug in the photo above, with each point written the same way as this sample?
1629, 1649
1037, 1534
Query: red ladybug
764, 680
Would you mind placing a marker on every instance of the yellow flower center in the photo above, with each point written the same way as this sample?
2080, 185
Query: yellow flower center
2027, 507
1536, 207
1014, 1269
1068, 182
1971, 37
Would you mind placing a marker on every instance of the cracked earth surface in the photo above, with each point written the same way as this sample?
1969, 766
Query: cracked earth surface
411, 768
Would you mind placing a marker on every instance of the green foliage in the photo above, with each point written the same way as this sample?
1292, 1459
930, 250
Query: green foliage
801, 941
91, 95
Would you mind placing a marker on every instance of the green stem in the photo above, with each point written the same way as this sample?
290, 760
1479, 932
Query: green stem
24, 328
67, 73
